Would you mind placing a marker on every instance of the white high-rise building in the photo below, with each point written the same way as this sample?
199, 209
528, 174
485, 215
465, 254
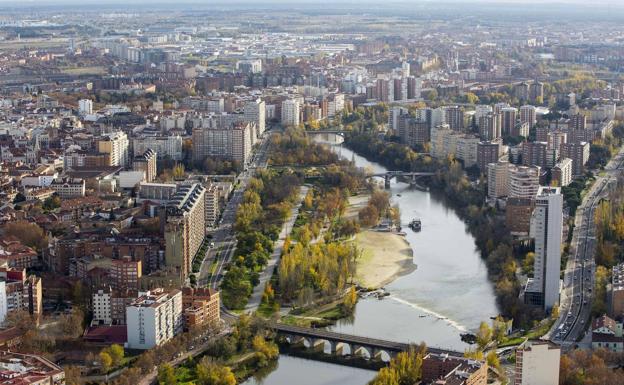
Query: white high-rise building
523, 181
546, 230
537, 363
154, 318
290, 112
116, 145
405, 68
4, 310
438, 117
498, 179
85, 107
255, 111
102, 307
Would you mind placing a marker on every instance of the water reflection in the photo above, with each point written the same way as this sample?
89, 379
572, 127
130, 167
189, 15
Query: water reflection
293, 370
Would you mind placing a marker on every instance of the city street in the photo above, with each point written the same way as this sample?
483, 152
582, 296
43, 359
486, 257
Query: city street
223, 236
578, 281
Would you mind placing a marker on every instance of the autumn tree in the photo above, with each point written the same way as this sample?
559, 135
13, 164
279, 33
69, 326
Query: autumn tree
210, 373
30, 234
265, 351
106, 362
350, 300
484, 335
404, 369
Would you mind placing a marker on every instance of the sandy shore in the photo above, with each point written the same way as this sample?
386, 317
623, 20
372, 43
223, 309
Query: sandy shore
385, 257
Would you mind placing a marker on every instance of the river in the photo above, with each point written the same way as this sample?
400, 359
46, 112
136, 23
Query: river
449, 293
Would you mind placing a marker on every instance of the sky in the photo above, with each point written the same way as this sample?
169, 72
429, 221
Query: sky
337, 2
599, 5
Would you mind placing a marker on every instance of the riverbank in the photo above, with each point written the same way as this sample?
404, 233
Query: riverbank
385, 256
356, 203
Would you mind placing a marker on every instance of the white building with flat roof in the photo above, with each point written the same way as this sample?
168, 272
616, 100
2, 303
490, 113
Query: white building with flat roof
154, 318
102, 307
546, 230
537, 363
290, 112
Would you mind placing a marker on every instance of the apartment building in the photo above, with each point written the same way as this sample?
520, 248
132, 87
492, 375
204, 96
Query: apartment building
562, 173
224, 141
291, 109
537, 363
20, 292
509, 117
579, 153
546, 229
255, 112
163, 146
101, 307
498, 179
535, 154
185, 227
490, 126
109, 306
413, 132
154, 318
487, 152
442, 368
125, 273
454, 117
528, 114
116, 145
509, 180
201, 307
159, 192
615, 292
518, 212
69, 187
523, 181
146, 162
212, 204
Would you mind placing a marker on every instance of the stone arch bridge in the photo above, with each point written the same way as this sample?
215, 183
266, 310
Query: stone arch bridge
358, 346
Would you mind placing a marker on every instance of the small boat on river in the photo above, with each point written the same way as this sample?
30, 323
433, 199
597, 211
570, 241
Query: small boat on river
415, 225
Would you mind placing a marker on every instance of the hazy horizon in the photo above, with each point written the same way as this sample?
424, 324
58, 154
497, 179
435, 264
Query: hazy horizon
312, 2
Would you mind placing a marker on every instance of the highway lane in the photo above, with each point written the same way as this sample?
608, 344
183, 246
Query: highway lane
576, 297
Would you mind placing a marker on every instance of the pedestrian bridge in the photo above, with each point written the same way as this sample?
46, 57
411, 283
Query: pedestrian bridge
370, 348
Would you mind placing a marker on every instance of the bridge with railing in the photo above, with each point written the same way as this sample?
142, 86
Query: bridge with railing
388, 175
358, 346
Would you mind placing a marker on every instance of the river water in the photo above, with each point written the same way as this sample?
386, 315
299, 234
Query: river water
449, 292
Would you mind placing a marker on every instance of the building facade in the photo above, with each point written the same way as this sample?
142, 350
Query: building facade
154, 318
537, 363
546, 230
